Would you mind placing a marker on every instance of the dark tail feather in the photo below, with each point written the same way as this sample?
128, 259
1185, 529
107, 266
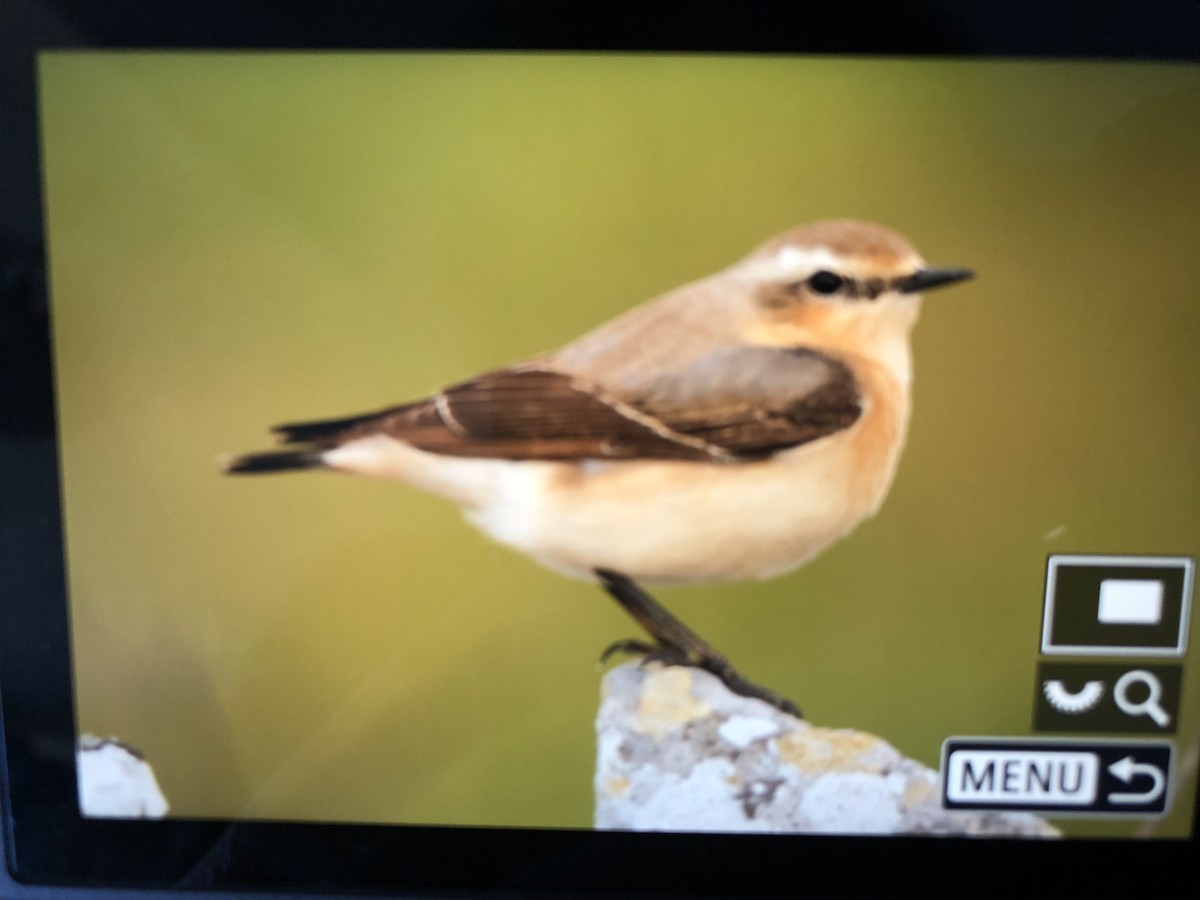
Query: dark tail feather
277, 461
316, 432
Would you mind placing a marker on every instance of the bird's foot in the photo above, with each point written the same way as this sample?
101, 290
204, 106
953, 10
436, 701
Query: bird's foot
676, 644
676, 656
659, 653
740, 684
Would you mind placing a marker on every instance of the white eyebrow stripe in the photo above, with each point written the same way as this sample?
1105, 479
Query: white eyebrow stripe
791, 263
796, 263
793, 259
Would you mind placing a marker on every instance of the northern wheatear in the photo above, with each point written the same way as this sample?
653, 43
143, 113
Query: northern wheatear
732, 428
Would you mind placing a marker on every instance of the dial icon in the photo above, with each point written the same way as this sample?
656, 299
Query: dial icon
1073, 703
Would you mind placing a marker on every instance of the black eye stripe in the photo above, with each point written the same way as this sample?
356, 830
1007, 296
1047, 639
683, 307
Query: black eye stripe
873, 287
825, 283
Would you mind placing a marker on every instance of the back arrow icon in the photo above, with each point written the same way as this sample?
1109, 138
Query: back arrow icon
1126, 769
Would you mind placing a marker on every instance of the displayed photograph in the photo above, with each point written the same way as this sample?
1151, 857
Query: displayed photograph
637, 442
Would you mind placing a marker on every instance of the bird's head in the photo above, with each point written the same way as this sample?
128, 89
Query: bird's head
842, 283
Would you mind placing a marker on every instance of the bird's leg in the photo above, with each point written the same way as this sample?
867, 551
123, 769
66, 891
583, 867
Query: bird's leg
675, 643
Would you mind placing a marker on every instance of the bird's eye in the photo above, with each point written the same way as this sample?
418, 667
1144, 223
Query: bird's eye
824, 282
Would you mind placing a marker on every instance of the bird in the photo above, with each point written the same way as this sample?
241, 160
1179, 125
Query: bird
730, 429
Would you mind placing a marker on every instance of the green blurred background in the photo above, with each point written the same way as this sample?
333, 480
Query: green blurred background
239, 240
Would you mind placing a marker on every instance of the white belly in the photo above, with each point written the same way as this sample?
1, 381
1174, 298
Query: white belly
671, 522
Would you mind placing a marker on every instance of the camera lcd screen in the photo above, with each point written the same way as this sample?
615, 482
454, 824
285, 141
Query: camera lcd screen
239, 240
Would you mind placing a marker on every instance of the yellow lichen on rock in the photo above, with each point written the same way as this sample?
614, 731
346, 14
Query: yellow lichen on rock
616, 786
918, 792
828, 750
667, 701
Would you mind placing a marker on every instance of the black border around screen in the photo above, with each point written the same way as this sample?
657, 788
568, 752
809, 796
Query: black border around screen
47, 842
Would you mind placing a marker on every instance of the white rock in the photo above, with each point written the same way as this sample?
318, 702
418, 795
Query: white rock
677, 751
115, 782
742, 731
859, 803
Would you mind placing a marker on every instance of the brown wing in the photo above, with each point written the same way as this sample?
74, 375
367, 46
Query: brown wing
735, 405
519, 413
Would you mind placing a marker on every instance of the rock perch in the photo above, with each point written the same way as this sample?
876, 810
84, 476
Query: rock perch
677, 751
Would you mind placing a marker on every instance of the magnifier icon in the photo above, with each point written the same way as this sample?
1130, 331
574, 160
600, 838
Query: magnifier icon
1151, 706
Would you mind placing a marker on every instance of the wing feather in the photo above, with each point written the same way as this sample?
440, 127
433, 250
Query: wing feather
733, 405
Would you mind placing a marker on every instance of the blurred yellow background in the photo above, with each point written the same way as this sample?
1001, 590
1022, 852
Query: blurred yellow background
239, 240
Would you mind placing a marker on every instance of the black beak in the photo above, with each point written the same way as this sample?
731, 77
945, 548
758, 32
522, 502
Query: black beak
931, 278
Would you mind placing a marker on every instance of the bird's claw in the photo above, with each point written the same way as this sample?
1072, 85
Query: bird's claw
660, 653
668, 655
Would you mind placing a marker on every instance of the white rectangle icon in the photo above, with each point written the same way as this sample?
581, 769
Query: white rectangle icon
1130, 602
1026, 778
